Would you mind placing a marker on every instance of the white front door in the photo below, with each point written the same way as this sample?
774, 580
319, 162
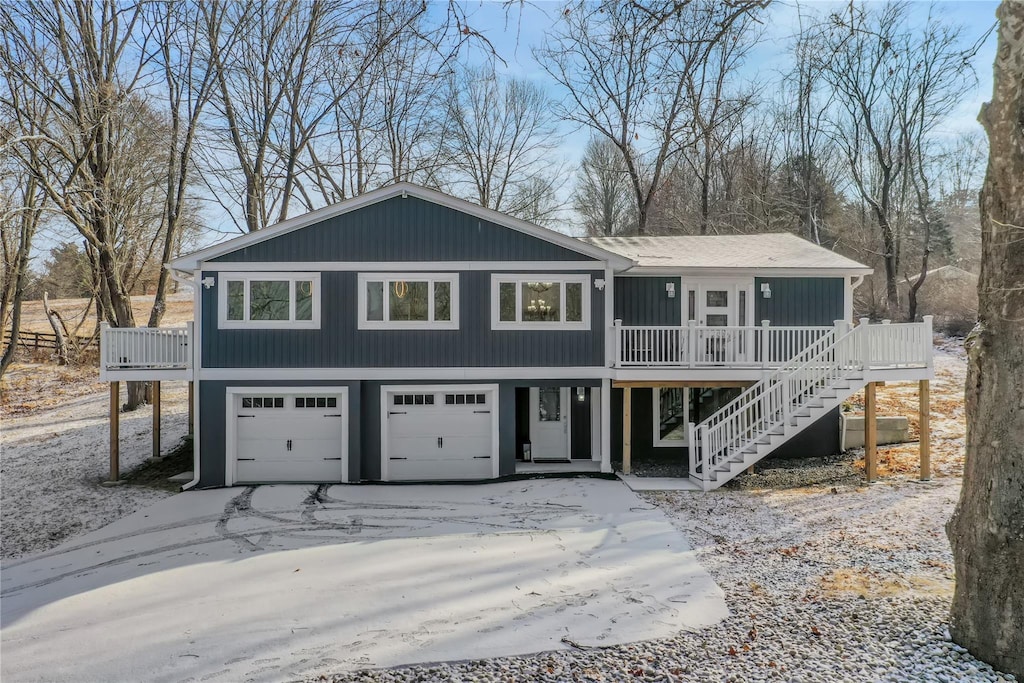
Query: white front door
435, 433
726, 304
549, 423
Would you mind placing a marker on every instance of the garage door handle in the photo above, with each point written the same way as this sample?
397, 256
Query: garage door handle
397, 412
481, 457
398, 458
289, 445
440, 442
245, 458
334, 415
246, 416
482, 411
332, 458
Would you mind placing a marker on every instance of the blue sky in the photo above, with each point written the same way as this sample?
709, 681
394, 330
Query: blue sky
515, 32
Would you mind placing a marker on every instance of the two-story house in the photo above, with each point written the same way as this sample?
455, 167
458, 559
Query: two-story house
405, 335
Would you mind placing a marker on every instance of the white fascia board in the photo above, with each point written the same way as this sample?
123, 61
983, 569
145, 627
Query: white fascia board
193, 260
661, 271
404, 267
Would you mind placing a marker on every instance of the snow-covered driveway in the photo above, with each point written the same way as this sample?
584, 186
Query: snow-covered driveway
281, 582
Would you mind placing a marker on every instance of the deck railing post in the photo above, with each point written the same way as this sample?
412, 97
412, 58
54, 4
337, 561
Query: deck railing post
765, 343
927, 342
864, 348
617, 327
691, 442
691, 340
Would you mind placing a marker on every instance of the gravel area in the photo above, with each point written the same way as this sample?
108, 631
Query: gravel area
831, 583
52, 461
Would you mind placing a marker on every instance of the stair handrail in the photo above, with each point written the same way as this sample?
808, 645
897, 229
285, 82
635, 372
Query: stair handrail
772, 412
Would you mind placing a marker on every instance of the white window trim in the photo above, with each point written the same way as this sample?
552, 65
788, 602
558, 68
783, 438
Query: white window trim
656, 413
246, 324
451, 278
562, 278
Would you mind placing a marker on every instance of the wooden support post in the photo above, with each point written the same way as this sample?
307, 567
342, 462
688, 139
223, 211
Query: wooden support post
155, 399
191, 414
627, 429
925, 444
115, 432
870, 433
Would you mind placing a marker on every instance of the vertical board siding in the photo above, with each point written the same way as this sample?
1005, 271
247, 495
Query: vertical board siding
643, 301
214, 416
364, 423
404, 229
340, 344
799, 300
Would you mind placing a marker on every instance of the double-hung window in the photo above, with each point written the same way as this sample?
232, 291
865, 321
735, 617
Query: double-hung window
540, 301
269, 300
408, 301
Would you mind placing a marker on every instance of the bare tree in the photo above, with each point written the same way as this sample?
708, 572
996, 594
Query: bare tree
626, 68
499, 144
602, 197
99, 142
22, 203
188, 85
893, 83
985, 531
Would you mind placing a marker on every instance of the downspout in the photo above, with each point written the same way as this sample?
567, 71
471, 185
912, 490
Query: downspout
854, 284
194, 284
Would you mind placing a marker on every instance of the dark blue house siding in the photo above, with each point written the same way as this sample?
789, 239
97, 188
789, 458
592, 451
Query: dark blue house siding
213, 428
364, 422
340, 344
799, 300
643, 301
404, 229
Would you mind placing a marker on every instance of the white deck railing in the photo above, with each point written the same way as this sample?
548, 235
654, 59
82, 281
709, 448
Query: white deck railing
832, 359
131, 348
694, 346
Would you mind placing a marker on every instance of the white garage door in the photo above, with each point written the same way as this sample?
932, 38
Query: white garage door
289, 437
435, 433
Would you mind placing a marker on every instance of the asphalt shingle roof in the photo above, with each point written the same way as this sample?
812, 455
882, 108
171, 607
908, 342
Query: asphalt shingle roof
760, 251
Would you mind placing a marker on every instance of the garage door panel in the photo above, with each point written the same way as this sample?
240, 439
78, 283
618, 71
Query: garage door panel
442, 440
288, 443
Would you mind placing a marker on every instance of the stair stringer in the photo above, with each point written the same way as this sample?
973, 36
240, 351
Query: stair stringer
796, 424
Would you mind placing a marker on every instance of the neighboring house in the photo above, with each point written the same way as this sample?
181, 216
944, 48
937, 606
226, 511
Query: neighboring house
406, 335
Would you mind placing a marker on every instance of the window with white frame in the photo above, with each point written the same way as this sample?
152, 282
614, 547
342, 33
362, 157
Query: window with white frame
268, 300
409, 301
671, 411
540, 301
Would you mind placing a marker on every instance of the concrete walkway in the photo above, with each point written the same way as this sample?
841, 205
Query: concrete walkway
282, 582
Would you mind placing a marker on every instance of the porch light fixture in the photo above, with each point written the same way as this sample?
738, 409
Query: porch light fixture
599, 284
670, 289
209, 281
581, 394
766, 290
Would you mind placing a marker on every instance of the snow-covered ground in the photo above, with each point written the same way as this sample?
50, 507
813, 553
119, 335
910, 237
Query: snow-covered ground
53, 460
278, 582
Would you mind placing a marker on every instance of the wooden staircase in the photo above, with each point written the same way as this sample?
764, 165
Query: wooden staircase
806, 388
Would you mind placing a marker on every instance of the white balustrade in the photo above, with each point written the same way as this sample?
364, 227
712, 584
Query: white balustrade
823, 363
664, 346
125, 348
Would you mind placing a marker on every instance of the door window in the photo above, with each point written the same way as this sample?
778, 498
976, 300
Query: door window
549, 405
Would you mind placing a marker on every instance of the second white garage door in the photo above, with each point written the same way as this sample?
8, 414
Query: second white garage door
439, 433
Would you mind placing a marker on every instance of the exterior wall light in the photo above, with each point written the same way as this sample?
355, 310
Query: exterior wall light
670, 289
766, 290
209, 281
599, 284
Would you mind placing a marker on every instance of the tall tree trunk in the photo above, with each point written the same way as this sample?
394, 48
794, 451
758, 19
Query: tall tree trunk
987, 528
28, 228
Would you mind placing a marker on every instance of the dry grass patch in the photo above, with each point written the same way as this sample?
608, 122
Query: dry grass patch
869, 583
33, 319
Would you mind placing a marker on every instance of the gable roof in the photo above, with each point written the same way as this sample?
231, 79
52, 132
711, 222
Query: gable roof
190, 262
760, 252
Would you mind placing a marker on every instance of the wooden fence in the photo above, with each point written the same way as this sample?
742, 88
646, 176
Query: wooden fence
47, 340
